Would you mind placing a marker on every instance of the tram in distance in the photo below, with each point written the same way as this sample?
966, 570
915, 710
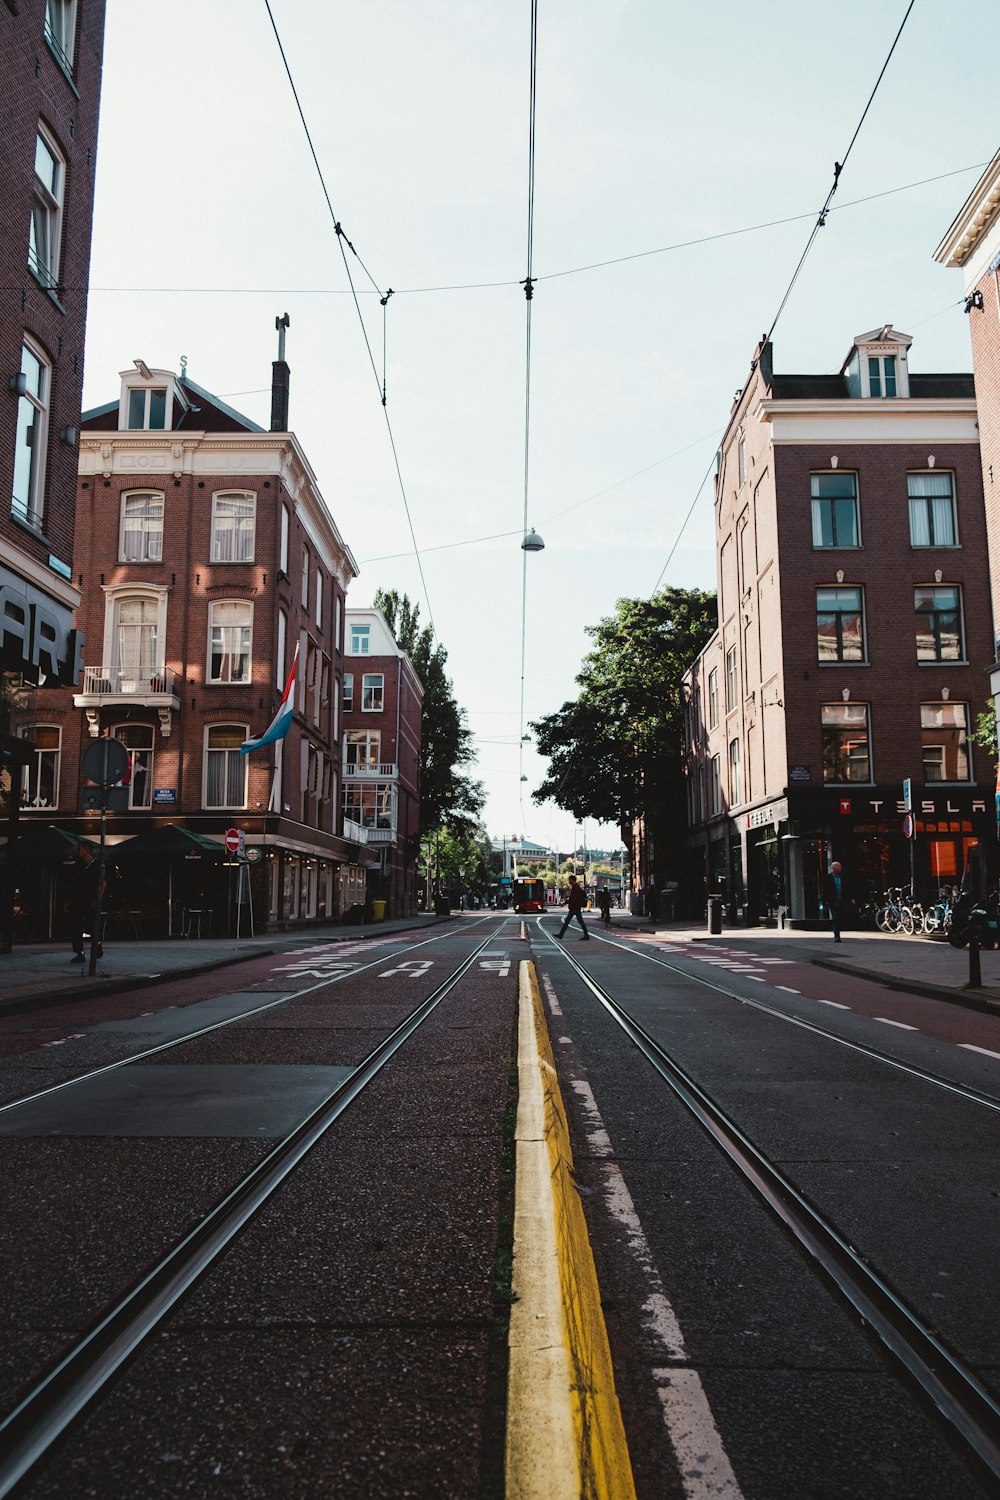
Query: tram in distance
529, 895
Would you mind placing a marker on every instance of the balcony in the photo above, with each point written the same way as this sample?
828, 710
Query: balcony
114, 687
385, 770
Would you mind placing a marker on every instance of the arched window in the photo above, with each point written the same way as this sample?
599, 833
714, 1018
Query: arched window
141, 527
40, 777
233, 526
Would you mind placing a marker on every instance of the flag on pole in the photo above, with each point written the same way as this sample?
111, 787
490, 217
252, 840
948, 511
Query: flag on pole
279, 725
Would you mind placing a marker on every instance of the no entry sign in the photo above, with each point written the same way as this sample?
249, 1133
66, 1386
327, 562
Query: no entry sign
233, 840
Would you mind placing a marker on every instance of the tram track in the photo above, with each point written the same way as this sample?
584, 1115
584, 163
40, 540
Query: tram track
79, 1378
214, 1026
969, 1412
938, 1080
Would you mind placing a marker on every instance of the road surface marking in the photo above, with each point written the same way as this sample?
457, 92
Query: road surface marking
834, 1003
901, 1024
971, 1047
788, 989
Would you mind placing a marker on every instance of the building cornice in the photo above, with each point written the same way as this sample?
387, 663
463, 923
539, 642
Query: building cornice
973, 220
37, 573
870, 420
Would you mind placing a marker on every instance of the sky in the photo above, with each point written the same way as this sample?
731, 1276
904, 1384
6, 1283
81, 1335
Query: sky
664, 136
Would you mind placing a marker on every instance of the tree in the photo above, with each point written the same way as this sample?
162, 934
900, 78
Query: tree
616, 750
448, 798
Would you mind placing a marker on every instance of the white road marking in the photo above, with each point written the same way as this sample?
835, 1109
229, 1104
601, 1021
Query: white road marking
788, 989
550, 996
73, 1037
970, 1047
706, 1472
413, 968
901, 1024
834, 1003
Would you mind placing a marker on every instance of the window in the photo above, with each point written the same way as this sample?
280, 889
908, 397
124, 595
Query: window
713, 698
716, 771
846, 756
138, 778
305, 577
370, 804
280, 654
932, 510
225, 767
233, 525
348, 702
834, 509
882, 375
939, 623
363, 749
360, 640
40, 777
319, 600
741, 458
944, 734
229, 625
141, 537
31, 438
135, 642
734, 773
283, 543
732, 680
839, 625
45, 230
146, 409
60, 30
372, 691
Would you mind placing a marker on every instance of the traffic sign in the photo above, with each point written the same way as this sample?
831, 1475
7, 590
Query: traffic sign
233, 838
907, 796
909, 826
105, 762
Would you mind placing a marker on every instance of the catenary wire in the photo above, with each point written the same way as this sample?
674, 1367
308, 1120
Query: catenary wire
528, 297
341, 237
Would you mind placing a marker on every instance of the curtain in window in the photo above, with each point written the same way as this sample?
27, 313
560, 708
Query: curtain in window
136, 635
233, 528
230, 642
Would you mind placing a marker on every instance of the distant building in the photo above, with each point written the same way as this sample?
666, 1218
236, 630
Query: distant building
205, 556
383, 703
854, 636
50, 74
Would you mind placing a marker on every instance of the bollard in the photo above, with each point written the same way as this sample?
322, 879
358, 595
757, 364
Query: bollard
715, 915
975, 966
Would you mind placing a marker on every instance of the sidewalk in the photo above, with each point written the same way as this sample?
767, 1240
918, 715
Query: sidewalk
34, 975
919, 965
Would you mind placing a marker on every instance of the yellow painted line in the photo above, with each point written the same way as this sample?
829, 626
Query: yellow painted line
565, 1437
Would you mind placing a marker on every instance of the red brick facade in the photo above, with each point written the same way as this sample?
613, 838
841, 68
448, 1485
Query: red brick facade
818, 638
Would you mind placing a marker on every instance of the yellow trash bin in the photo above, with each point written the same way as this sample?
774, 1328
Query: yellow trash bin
378, 907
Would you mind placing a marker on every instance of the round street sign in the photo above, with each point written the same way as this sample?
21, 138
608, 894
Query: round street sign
232, 839
105, 762
908, 826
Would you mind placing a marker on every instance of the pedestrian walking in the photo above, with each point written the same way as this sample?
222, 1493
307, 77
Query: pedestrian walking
835, 897
604, 904
84, 904
574, 904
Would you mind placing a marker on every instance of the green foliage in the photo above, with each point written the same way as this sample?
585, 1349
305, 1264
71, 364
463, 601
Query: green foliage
985, 732
615, 752
448, 798
463, 858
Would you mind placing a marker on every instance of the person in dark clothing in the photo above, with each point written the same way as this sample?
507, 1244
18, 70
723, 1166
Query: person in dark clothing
574, 904
835, 897
85, 901
604, 906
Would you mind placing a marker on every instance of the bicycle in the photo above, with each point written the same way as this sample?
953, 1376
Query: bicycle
888, 915
911, 917
938, 916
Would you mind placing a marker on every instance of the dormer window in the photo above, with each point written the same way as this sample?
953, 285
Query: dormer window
882, 375
147, 408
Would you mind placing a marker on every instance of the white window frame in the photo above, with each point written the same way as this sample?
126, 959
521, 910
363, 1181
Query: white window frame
371, 741
735, 792
283, 542
925, 503
713, 698
372, 685
115, 596
146, 392
319, 598
60, 31
140, 756
360, 640
227, 750
235, 524
218, 611
45, 232
31, 774
732, 680
347, 693
33, 416
306, 571
279, 670
147, 532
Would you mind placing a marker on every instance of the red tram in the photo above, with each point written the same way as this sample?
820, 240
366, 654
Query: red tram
529, 895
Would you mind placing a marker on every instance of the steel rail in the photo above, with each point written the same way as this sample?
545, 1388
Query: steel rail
44, 1415
243, 1015
970, 1412
962, 1090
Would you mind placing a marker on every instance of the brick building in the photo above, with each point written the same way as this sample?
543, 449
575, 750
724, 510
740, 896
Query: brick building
383, 704
50, 80
205, 554
854, 635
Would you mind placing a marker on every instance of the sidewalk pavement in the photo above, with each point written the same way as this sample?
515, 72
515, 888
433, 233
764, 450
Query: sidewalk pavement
919, 965
34, 975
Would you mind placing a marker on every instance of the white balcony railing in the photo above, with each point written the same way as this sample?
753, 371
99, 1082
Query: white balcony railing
126, 682
387, 770
355, 832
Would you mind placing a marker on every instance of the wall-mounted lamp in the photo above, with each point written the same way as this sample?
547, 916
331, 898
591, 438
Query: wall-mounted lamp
18, 383
68, 435
974, 300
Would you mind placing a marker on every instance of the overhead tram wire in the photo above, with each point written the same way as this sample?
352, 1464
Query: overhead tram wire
478, 286
384, 297
529, 287
838, 168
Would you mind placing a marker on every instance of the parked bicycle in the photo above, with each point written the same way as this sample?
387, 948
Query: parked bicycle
899, 912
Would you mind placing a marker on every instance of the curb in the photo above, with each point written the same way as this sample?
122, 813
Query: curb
565, 1436
982, 1000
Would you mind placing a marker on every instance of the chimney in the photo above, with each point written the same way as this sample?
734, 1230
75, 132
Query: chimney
280, 376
